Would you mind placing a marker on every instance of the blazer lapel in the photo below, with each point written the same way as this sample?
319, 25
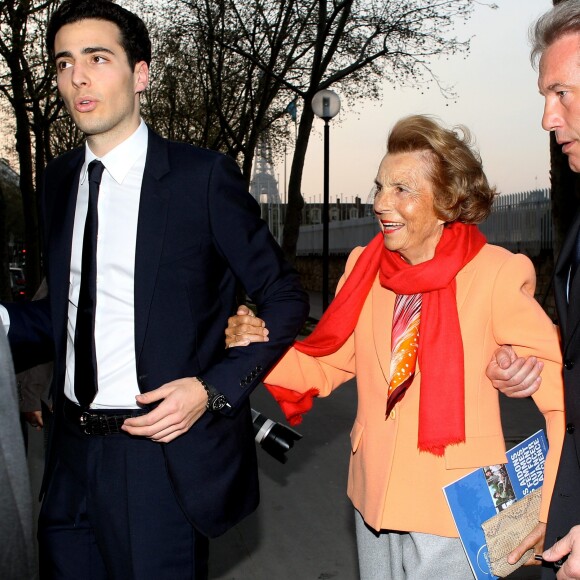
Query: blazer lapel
568, 314
152, 221
383, 306
63, 206
464, 280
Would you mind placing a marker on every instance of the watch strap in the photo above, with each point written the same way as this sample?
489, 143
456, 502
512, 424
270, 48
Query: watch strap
216, 401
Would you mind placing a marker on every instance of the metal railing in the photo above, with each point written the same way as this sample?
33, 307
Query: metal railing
520, 222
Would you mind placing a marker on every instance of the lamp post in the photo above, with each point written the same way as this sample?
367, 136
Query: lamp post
326, 105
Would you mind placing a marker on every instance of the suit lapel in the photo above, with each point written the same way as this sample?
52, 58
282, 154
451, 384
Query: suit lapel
464, 281
153, 207
63, 197
383, 307
568, 315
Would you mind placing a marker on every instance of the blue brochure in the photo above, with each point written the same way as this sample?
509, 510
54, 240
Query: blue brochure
478, 496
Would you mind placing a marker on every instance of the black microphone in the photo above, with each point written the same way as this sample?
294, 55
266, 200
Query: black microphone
274, 438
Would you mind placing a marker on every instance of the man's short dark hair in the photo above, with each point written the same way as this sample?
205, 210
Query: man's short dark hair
134, 36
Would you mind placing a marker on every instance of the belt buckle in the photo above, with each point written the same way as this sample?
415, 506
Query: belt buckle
85, 423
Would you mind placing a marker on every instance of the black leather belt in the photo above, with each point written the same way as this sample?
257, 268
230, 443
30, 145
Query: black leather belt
94, 422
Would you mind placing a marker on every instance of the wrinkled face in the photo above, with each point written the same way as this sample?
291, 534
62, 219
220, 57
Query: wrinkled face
559, 83
404, 206
99, 88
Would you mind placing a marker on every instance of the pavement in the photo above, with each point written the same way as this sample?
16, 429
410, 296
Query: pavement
304, 526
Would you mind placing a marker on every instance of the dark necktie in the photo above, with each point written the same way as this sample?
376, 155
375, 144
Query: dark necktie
85, 356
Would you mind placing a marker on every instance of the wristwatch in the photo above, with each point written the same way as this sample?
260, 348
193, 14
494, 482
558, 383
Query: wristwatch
215, 400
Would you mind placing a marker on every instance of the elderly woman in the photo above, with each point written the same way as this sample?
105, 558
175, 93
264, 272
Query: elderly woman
419, 313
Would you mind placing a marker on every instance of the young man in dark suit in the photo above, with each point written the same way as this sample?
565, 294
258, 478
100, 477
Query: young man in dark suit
556, 42
152, 450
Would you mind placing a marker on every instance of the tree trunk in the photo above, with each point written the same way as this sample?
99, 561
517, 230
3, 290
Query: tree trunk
5, 293
248, 161
26, 183
295, 199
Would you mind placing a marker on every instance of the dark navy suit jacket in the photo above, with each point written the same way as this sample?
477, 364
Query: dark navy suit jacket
199, 232
565, 505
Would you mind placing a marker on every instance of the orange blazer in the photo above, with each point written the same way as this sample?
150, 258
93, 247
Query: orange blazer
391, 483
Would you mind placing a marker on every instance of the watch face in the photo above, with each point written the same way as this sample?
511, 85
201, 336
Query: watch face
218, 402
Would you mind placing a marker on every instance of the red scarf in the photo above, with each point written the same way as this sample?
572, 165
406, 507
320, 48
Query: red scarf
441, 406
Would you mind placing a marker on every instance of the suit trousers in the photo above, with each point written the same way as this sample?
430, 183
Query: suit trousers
110, 513
390, 555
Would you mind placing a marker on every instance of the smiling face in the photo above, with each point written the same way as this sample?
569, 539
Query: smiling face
559, 83
99, 88
404, 206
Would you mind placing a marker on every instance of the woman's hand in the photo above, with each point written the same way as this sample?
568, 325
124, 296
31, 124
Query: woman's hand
244, 328
534, 540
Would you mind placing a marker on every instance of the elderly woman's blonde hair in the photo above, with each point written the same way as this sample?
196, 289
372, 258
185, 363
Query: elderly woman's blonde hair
461, 190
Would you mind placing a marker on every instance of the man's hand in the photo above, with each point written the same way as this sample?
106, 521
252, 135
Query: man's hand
514, 376
245, 328
183, 402
569, 545
534, 540
34, 419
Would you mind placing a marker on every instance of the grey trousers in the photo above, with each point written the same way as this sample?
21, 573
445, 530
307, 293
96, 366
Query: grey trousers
409, 555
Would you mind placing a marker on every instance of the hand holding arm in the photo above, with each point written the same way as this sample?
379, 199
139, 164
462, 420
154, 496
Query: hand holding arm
569, 546
534, 540
516, 377
183, 402
245, 328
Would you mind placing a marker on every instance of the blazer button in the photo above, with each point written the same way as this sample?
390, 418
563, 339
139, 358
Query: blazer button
569, 364
570, 428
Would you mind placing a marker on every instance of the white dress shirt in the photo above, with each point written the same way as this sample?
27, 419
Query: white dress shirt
118, 210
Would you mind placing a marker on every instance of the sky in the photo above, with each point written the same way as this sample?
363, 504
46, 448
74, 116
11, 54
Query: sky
498, 100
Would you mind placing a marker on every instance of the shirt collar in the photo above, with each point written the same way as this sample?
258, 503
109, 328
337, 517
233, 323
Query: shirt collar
119, 161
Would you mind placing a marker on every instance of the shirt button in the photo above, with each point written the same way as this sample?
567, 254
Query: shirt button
393, 414
569, 364
570, 428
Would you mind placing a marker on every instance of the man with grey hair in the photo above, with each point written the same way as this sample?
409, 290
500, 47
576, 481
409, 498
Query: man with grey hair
556, 46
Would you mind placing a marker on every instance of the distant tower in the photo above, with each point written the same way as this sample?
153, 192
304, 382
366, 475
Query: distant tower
264, 186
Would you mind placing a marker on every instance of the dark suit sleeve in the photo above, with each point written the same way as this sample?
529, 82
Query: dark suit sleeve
243, 239
30, 334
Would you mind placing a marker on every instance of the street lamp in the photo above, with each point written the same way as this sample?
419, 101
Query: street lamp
326, 105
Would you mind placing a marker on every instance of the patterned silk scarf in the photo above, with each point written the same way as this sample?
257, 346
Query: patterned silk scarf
404, 345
